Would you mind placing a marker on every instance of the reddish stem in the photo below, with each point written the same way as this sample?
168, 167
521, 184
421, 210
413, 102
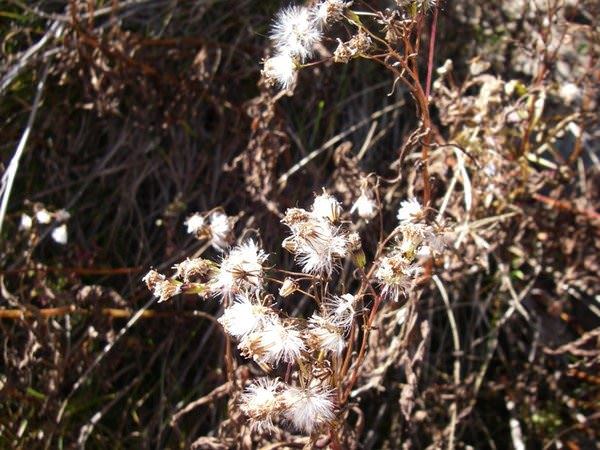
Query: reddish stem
431, 52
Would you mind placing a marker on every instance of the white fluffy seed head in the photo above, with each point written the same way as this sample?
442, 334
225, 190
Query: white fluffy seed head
243, 317
195, 223
326, 206
320, 246
261, 402
340, 310
316, 241
295, 32
410, 211
281, 69
308, 408
325, 335
396, 275
221, 228
329, 11
241, 270
365, 207
282, 342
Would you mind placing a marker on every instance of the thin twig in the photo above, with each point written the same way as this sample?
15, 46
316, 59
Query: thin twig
9, 176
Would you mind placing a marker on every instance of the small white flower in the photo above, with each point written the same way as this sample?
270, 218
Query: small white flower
365, 207
243, 317
308, 408
410, 211
26, 222
261, 402
60, 235
295, 32
327, 336
195, 223
282, 69
220, 230
43, 217
326, 206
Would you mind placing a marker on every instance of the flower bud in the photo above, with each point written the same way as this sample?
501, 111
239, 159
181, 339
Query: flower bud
288, 287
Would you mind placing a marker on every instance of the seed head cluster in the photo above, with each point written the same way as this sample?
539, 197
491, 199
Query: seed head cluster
310, 351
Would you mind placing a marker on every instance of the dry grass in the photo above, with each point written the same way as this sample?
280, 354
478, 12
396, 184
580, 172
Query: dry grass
152, 110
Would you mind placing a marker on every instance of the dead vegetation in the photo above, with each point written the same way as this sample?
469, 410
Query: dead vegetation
150, 110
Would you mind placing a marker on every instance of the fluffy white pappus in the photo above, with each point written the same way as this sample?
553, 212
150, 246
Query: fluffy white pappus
241, 270
261, 402
340, 310
281, 342
396, 276
314, 260
410, 211
329, 11
365, 207
295, 32
308, 408
195, 223
320, 246
243, 317
60, 234
326, 206
326, 335
281, 69
220, 230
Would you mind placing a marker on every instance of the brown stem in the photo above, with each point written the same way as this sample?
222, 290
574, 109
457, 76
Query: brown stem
363, 347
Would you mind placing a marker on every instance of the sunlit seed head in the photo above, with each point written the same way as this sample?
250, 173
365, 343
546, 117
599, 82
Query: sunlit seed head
308, 408
195, 223
365, 207
281, 69
243, 317
295, 32
221, 230
410, 211
326, 206
261, 402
